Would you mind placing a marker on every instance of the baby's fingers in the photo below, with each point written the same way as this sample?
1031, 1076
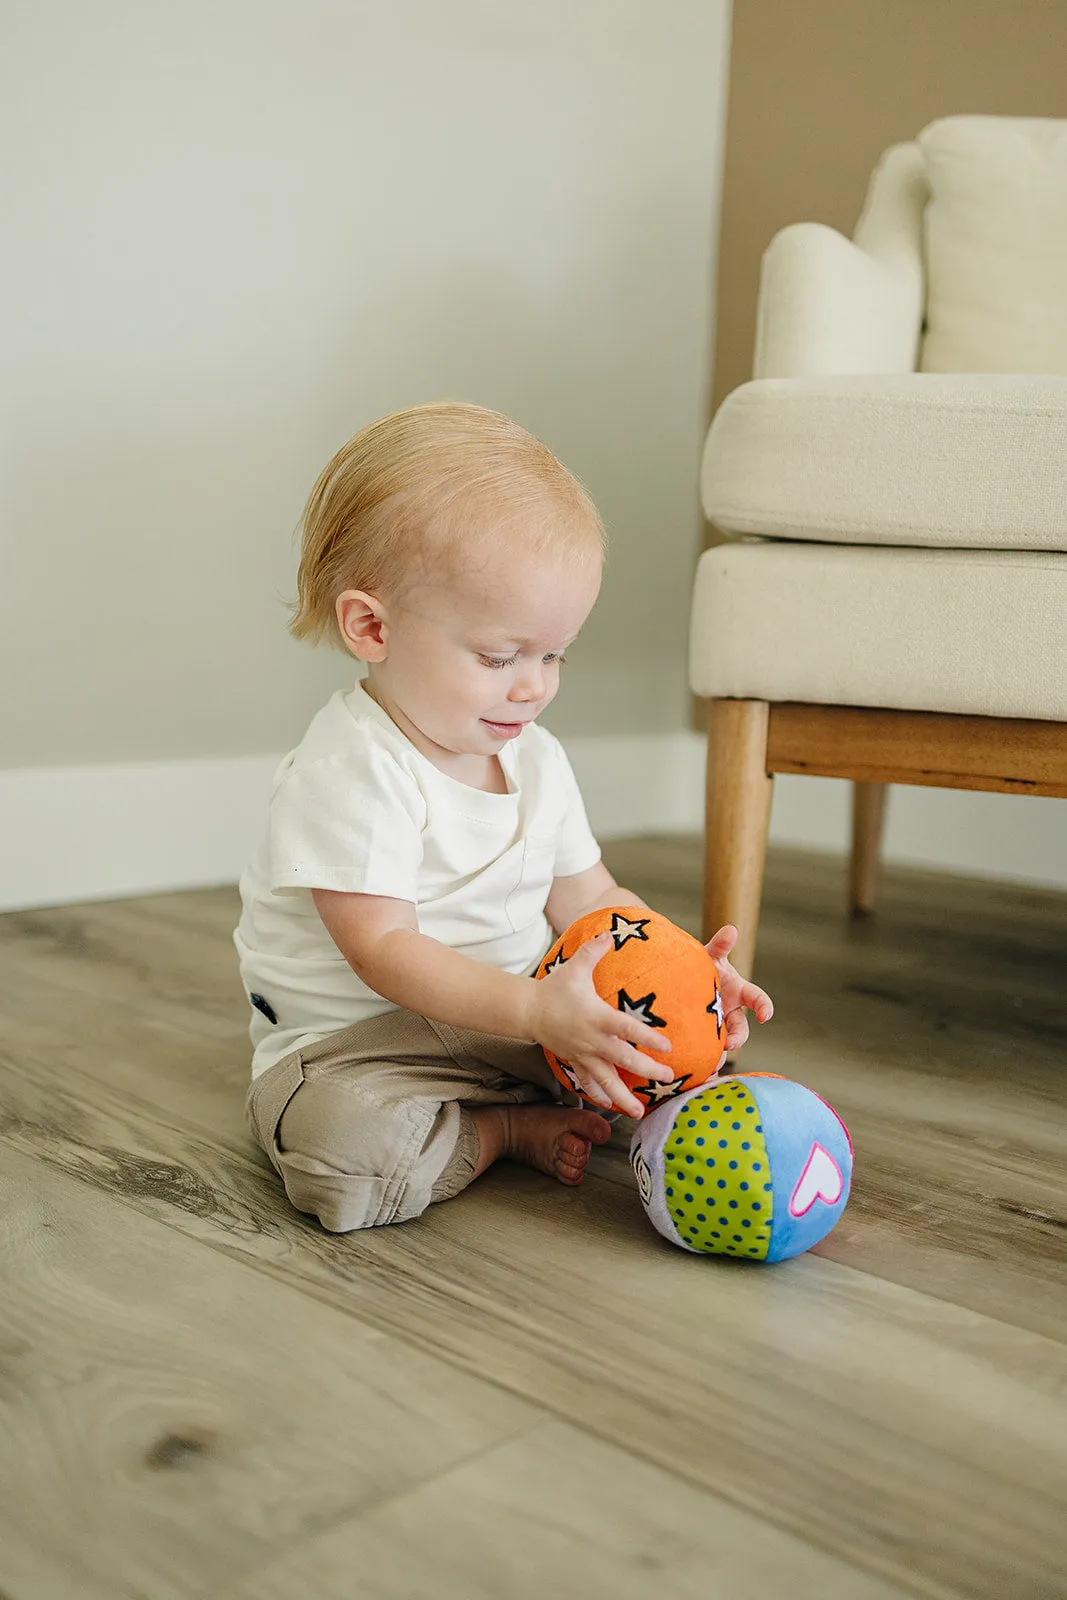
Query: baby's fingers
636, 1061
721, 943
603, 1077
736, 1030
591, 1088
757, 1000
625, 1025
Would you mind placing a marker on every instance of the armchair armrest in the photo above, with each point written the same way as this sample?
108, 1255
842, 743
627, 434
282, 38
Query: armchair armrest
832, 306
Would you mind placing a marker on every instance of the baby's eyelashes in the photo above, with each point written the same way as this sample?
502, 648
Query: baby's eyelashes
499, 662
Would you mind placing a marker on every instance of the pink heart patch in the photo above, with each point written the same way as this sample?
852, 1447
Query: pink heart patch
820, 1180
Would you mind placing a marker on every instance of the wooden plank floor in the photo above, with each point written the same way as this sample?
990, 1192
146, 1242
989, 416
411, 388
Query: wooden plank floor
527, 1392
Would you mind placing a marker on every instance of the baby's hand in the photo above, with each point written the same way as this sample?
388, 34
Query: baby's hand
572, 1021
738, 995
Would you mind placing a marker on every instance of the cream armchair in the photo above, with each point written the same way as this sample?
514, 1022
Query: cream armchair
892, 604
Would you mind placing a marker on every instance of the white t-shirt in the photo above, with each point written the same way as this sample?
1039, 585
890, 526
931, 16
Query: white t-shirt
356, 807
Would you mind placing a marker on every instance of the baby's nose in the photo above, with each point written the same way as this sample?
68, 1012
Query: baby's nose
530, 686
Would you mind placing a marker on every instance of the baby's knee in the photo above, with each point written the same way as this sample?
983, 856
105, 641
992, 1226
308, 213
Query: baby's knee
354, 1159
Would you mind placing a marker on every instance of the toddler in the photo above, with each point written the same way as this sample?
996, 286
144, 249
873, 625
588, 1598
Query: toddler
426, 839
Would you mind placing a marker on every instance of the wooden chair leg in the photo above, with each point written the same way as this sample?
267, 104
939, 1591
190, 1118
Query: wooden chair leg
868, 818
739, 792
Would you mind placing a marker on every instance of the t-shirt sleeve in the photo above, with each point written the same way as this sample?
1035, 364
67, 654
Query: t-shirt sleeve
351, 824
576, 848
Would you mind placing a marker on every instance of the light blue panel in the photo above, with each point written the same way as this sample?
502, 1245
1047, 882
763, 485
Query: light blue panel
810, 1159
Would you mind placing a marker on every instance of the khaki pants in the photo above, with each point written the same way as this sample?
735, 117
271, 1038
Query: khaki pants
371, 1125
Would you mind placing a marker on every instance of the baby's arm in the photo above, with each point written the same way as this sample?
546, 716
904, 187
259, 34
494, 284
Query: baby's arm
380, 940
592, 890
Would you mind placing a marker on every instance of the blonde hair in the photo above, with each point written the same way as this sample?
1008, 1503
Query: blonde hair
419, 485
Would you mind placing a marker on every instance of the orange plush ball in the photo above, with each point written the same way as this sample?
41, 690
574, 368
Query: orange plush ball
661, 974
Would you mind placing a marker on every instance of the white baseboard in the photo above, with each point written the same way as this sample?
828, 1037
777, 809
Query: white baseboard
94, 833
98, 833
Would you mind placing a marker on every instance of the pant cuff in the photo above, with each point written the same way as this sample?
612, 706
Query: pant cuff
458, 1170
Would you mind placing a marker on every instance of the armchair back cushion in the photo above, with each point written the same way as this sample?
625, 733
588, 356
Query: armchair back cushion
996, 245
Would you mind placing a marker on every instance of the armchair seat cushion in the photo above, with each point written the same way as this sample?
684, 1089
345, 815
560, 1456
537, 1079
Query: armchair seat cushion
972, 460
978, 632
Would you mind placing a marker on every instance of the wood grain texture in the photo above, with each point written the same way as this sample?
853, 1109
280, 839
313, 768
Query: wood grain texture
557, 1512
170, 1418
1002, 754
892, 1404
868, 822
738, 814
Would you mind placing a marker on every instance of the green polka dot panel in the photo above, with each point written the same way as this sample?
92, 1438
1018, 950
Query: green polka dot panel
716, 1174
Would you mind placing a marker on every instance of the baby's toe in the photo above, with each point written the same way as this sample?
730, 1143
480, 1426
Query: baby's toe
591, 1127
572, 1155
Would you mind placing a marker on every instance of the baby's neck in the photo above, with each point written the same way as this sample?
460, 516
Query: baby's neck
496, 781
477, 772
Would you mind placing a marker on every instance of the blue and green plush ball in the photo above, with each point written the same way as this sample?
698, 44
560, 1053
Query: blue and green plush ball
755, 1166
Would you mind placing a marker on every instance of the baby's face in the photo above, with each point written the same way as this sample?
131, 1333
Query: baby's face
472, 661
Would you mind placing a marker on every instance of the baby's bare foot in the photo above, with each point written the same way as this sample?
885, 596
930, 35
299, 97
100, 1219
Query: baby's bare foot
553, 1139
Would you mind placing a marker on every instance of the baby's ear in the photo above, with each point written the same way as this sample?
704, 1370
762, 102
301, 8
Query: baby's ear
362, 624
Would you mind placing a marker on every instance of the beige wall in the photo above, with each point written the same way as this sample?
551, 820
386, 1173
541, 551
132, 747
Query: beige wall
235, 233
818, 89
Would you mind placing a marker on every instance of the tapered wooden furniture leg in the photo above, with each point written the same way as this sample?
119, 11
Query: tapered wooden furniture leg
868, 817
738, 814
